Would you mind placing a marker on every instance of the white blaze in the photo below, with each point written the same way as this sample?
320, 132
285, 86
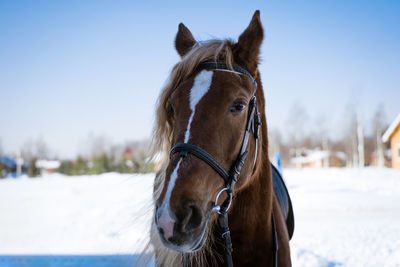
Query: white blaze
201, 85
165, 221
171, 184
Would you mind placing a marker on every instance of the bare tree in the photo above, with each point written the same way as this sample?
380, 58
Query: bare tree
350, 137
42, 150
275, 141
296, 122
321, 136
95, 145
360, 141
35, 148
379, 121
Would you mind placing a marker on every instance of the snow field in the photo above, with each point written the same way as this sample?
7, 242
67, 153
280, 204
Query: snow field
56, 214
344, 217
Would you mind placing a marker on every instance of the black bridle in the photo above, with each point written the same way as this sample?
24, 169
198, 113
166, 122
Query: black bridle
230, 176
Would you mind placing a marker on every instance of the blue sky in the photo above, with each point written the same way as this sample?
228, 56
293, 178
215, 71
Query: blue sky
70, 68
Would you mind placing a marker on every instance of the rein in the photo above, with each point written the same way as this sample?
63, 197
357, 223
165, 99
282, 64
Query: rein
229, 176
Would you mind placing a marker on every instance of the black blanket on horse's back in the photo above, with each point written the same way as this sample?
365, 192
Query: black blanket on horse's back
284, 200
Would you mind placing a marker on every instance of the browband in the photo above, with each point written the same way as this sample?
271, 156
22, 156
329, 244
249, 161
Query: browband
223, 66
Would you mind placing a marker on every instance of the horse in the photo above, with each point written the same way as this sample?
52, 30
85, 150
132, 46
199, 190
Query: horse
211, 123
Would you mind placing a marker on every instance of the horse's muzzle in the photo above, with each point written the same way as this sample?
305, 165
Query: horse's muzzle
182, 231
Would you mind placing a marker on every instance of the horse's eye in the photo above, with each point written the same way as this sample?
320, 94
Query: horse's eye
170, 109
237, 107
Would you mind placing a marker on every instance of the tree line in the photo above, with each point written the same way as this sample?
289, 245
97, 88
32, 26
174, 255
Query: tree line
360, 139
98, 155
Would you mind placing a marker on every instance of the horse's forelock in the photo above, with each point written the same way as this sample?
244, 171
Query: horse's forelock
213, 50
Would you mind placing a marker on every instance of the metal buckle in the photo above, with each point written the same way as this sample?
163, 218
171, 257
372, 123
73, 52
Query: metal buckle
217, 208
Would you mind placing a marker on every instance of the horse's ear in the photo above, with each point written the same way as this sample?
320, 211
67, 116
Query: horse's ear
247, 49
184, 40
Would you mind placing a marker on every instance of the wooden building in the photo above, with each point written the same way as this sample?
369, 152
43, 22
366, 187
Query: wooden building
392, 134
319, 159
47, 166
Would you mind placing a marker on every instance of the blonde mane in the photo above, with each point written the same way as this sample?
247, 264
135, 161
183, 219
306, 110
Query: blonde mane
213, 50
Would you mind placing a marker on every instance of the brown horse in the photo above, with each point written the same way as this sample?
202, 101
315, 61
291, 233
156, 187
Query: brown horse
209, 108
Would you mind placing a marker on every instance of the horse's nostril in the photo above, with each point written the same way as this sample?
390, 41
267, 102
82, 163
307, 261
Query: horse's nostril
193, 219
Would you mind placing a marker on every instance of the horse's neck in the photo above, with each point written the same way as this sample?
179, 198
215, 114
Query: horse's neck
250, 223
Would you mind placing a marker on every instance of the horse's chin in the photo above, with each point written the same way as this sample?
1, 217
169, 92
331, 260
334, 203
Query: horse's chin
199, 243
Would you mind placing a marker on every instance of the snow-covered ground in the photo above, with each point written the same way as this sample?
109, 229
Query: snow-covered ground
344, 217
57, 214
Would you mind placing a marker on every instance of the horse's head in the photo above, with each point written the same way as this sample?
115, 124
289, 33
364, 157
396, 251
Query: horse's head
209, 109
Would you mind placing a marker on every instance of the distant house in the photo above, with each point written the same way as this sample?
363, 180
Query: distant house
392, 134
9, 167
319, 159
47, 166
128, 154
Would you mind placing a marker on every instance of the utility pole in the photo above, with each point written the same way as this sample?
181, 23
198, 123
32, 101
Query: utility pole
19, 162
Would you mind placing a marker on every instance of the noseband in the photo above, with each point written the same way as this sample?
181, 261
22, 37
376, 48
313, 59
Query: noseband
229, 176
